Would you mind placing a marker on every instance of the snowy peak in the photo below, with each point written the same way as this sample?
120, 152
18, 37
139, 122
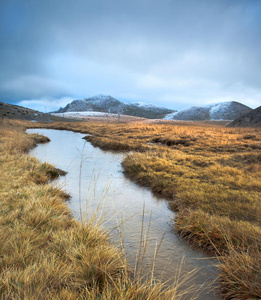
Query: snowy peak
73, 106
99, 97
106, 103
102, 99
228, 110
102, 103
219, 111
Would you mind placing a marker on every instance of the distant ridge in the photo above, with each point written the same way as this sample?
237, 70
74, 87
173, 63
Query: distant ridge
106, 103
252, 119
220, 111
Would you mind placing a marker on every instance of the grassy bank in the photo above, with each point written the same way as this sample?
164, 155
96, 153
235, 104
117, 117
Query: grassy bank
211, 175
44, 252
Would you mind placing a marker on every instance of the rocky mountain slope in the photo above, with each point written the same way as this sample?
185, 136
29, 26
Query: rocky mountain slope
103, 103
252, 119
220, 111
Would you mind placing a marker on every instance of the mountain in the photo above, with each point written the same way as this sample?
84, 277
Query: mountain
220, 111
104, 103
11, 111
252, 119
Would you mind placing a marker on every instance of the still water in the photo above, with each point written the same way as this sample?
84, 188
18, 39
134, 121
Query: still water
97, 185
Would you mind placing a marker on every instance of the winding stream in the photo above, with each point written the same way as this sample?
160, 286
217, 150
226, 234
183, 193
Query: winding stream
97, 176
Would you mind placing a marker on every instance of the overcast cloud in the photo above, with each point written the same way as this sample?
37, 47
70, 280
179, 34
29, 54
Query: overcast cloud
167, 52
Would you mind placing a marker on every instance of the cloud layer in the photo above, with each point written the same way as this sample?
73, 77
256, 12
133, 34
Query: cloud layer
172, 53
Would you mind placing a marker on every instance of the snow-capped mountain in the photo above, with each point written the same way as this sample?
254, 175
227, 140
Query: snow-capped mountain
104, 103
220, 111
252, 119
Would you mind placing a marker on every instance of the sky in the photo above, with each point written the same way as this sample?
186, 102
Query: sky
171, 53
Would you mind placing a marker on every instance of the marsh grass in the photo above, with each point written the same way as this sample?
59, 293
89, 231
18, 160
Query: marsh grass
45, 253
210, 174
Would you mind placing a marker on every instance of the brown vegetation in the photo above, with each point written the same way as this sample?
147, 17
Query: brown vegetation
45, 253
211, 175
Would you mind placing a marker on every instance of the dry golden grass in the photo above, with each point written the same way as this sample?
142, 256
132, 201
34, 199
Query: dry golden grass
44, 252
210, 174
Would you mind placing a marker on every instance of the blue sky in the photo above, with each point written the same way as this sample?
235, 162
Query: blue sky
170, 53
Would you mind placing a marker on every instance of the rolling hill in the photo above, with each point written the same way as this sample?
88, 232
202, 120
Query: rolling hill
220, 111
252, 119
11, 111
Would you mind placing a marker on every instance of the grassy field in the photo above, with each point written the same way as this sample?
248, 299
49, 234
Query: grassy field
44, 252
211, 175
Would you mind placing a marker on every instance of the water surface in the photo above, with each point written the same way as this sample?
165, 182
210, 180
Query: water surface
96, 178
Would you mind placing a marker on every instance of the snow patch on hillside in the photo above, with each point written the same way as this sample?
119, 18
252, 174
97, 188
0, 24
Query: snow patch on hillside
80, 113
170, 116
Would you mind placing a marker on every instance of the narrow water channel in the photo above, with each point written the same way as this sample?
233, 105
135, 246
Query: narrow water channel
96, 177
